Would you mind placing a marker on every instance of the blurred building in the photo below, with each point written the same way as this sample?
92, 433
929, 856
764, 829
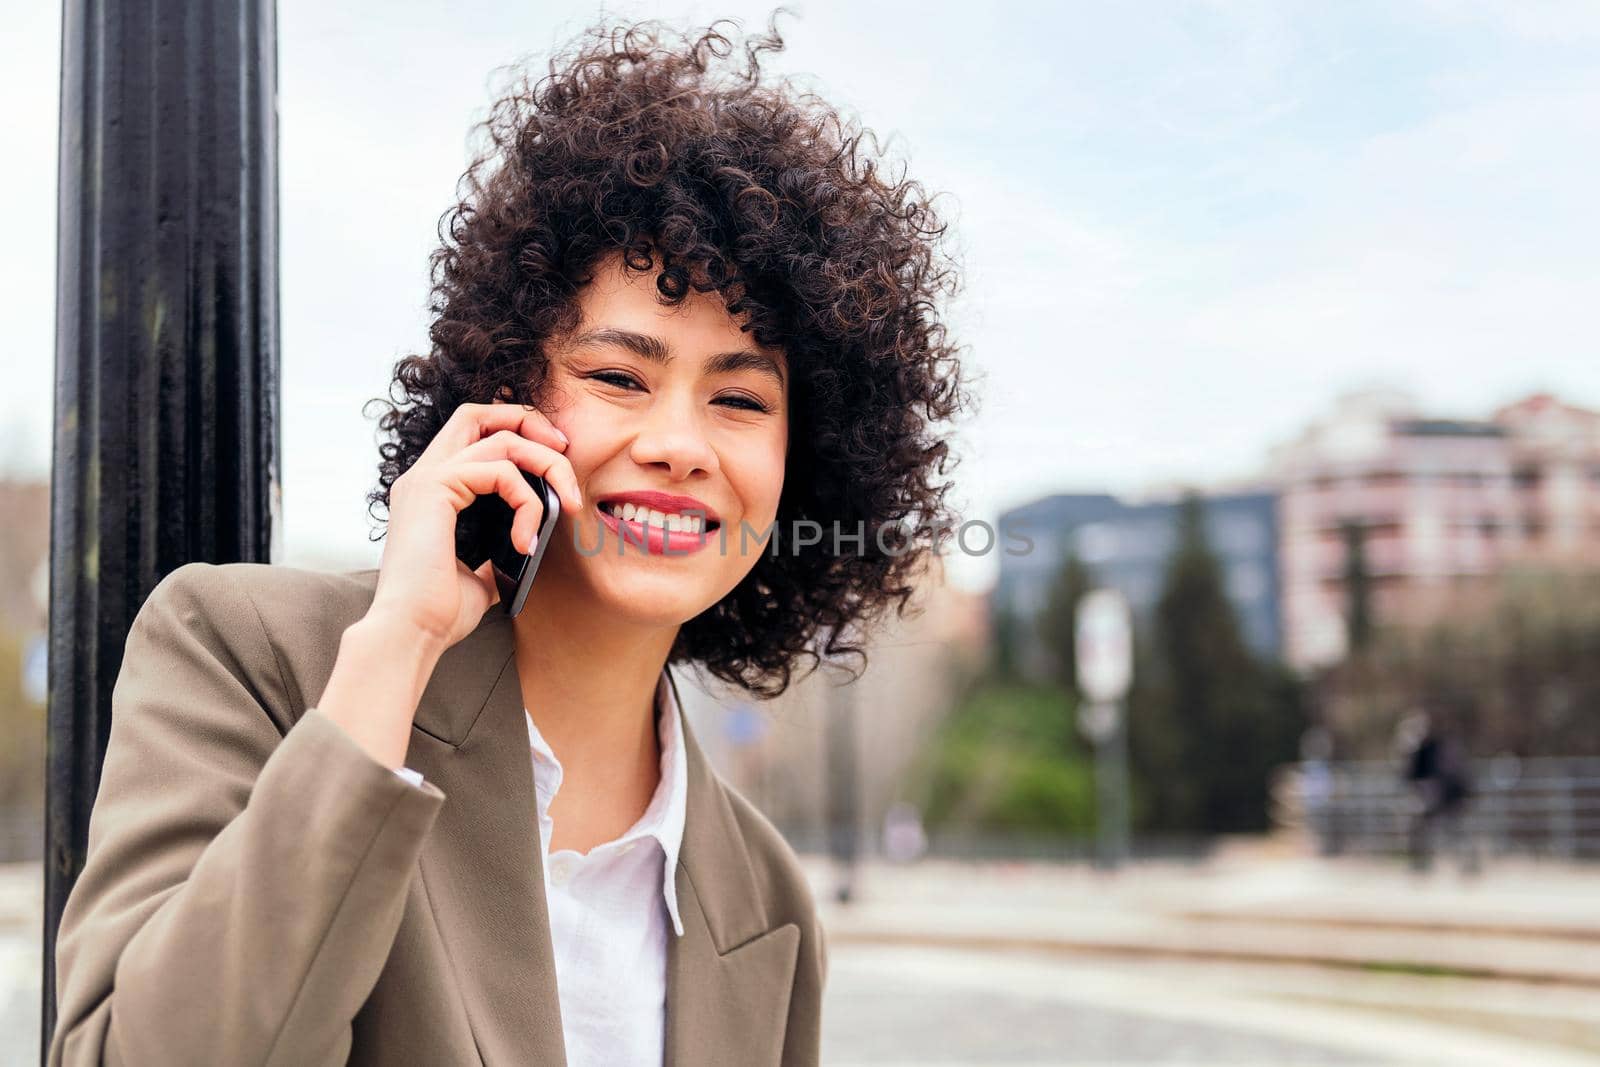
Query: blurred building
1436, 504
24, 554
1127, 545
1555, 471
784, 754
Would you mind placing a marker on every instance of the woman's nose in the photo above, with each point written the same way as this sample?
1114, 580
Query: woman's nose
672, 441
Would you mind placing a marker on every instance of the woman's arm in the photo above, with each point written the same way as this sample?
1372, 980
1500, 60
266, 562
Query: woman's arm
247, 873
245, 879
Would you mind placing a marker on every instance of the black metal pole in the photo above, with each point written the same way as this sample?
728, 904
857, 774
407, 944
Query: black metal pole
166, 403
843, 802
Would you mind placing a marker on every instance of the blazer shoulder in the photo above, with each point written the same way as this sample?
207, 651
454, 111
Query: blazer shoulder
284, 600
298, 612
302, 595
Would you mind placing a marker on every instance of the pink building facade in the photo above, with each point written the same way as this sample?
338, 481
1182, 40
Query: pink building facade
1440, 503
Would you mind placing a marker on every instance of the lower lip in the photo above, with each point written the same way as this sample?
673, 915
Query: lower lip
656, 540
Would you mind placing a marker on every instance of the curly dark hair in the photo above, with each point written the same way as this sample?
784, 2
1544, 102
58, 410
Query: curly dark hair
761, 193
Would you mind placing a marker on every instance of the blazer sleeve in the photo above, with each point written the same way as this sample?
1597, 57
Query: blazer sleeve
803, 1036
802, 1043
246, 870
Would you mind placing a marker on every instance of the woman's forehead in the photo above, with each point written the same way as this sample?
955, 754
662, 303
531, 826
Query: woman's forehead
621, 308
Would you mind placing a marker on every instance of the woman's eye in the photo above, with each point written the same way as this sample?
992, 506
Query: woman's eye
623, 380
744, 403
616, 378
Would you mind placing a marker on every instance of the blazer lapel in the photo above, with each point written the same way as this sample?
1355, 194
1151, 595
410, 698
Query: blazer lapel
730, 975
481, 867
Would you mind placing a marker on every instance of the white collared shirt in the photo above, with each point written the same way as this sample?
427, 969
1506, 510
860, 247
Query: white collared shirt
611, 909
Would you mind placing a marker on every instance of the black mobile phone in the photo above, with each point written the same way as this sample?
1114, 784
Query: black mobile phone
483, 531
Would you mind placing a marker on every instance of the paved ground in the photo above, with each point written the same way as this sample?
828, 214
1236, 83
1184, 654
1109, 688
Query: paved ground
951, 965
21, 906
930, 1006
1521, 920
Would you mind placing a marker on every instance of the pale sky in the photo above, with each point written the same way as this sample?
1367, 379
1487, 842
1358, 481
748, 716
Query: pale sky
1187, 227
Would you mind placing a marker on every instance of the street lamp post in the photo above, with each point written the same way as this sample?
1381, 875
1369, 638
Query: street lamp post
843, 800
166, 393
1103, 649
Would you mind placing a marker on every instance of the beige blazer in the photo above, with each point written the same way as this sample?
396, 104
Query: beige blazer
260, 891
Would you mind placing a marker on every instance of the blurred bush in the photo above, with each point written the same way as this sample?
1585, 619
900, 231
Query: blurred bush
1008, 759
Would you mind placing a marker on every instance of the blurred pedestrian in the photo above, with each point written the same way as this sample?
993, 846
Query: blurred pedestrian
1438, 772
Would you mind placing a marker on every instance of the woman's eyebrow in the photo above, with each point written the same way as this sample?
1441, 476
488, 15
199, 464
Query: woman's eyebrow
728, 362
640, 344
655, 350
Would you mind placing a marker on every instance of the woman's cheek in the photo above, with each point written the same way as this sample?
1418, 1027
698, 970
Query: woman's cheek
769, 478
586, 434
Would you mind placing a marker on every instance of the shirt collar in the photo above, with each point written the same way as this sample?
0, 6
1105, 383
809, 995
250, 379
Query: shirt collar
663, 817
674, 770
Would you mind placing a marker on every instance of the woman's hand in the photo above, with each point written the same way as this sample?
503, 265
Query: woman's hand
427, 599
423, 588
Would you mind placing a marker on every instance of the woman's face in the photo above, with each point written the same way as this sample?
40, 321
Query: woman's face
678, 426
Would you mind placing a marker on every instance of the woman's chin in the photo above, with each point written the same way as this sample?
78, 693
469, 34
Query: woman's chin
651, 601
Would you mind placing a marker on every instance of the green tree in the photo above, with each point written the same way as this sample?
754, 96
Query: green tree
1058, 622
1207, 722
1004, 661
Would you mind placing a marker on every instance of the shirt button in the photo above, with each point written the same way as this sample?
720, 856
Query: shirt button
559, 870
628, 847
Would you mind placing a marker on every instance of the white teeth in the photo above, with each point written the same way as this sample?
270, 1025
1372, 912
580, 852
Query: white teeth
674, 522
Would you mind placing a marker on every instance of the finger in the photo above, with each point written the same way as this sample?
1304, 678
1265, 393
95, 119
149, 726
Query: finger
504, 478
531, 456
470, 423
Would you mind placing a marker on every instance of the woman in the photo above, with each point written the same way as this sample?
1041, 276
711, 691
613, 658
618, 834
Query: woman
371, 817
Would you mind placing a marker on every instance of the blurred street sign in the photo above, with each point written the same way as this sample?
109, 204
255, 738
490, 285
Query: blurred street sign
743, 726
1104, 646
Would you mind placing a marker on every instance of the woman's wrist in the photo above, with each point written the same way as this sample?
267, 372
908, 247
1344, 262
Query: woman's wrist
377, 681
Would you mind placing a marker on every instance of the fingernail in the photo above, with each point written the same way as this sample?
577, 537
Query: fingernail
563, 437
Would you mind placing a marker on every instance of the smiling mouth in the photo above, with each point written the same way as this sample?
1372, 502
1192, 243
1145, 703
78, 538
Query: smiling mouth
667, 521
